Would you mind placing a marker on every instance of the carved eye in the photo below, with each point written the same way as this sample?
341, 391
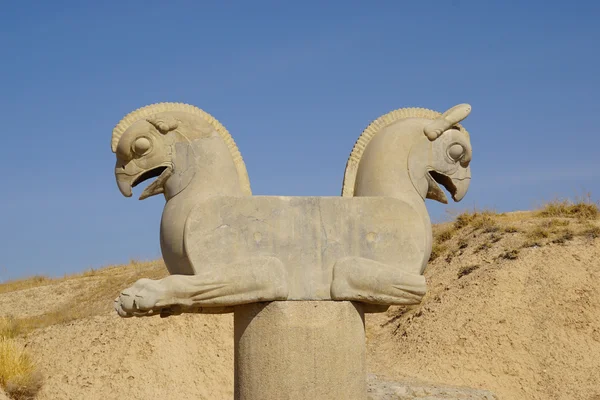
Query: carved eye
141, 146
456, 151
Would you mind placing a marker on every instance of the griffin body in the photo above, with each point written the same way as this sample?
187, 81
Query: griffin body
224, 247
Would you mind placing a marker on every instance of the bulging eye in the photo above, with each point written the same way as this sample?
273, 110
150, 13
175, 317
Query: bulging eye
456, 152
141, 146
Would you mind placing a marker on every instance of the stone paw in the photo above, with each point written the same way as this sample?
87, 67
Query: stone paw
145, 297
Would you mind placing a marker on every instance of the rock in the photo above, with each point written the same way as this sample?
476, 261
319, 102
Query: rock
409, 390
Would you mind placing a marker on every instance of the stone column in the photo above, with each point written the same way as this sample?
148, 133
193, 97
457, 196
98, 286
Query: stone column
294, 350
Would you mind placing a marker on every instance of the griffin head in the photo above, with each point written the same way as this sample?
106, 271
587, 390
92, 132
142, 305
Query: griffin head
176, 143
442, 157
143, 152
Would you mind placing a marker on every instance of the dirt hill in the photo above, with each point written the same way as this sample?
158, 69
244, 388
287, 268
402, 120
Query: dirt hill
513, 307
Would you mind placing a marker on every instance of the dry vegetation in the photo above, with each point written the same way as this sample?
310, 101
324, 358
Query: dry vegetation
557, 222
583, 208
26, 283
19, 377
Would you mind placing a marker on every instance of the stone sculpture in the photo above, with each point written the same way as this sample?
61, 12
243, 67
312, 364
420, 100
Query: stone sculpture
270, 259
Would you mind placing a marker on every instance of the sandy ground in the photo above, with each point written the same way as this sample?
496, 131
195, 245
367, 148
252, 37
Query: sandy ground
37, 301
105, 357
524, 328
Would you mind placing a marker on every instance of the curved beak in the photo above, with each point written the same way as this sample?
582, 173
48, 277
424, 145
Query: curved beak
124, 182
461, 180
130, 176
457, 184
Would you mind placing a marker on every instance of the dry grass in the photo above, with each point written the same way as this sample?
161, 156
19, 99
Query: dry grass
463, 271
564, 236
437, 250
538, 233
487, 245
531, 243
584, 209
510, 254
22, 284
591, 232
10, 327
18, 374
477, 219
444, 235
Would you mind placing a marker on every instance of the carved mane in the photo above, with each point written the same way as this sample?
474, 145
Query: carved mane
152, 109
370, 132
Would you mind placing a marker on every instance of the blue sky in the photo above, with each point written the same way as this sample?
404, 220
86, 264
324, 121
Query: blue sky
295, 83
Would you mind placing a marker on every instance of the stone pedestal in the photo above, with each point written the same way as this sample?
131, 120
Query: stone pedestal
293, 350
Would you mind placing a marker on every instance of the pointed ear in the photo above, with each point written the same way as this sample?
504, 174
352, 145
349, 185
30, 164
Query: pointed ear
164, 123
446, 121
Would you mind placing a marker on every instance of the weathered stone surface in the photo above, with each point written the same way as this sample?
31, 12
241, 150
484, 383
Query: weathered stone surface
413, 390
224, 247
292, 350
310, 235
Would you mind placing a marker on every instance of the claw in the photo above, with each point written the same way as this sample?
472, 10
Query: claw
119, 309
140, 300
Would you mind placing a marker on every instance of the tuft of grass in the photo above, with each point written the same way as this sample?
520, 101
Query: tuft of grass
484, 246
463, 220
463, 243
495, 238
553, 223
19, 376
538, 233
583, 209
445, 235
437, 250
511, 229
510, 254
564, 236
10, 327
466, 270
483, 220
531, 243
592, 232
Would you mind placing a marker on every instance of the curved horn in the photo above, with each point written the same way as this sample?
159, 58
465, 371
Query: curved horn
446, 121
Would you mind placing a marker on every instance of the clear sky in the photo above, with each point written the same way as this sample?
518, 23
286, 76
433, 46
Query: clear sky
295, 83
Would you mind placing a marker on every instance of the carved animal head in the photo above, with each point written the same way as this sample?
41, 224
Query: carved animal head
444, 158
152, 141
429, 148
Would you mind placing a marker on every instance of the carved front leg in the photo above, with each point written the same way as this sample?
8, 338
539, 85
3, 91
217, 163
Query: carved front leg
255, 280
368, 281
